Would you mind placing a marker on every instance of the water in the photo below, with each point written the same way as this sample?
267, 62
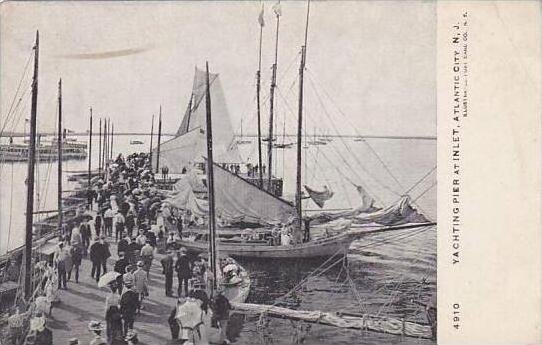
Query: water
389, 275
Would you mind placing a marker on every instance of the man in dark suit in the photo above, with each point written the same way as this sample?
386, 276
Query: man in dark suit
184, 271
167, 270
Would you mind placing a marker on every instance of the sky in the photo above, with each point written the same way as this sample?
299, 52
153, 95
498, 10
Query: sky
373, 60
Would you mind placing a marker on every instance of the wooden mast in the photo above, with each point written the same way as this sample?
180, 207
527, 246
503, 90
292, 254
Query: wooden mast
90, 149
210, 179
258, 77
104, 144
30, 177
112, 135
159, 139
59, 148
150, 146
100, 146
298, 199
272, 103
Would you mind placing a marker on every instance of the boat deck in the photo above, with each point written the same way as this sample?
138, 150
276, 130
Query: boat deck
84, 301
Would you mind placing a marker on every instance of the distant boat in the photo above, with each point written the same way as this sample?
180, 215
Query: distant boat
283, 145
243, 141
48, 151
136, 142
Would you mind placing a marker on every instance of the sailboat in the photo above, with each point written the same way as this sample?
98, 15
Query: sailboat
242, 140
283, 144
259, 224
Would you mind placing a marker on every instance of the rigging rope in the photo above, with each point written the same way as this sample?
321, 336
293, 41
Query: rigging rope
17, 90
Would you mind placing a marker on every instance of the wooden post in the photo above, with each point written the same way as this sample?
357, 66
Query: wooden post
59, 148
159, 138
210, 180
30, 177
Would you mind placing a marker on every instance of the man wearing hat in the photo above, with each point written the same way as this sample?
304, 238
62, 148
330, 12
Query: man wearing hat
62, 255
129, 303
140, 283
183, 267
167, 270
120, 267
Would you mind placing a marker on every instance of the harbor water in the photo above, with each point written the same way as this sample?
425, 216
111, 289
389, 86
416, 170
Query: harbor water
392, 274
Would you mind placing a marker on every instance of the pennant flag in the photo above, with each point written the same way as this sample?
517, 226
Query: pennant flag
260, 18
277, 9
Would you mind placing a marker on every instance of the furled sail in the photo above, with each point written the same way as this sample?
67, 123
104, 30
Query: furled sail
401, 212
239, 199
236, 200
319, 197
189, 144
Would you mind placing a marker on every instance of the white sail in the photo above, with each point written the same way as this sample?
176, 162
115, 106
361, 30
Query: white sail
189, 144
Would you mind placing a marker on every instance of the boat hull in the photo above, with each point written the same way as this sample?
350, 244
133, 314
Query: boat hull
324, 247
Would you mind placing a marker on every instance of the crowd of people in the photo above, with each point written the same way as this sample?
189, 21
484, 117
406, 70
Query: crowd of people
125, 208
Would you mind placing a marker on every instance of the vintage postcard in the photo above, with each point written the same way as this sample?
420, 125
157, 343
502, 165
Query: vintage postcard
270, 172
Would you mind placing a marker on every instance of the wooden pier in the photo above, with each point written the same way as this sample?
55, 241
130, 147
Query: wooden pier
84, 302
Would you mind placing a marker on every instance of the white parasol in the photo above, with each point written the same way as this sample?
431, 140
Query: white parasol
108, 278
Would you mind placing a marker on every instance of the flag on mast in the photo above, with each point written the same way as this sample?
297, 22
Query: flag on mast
277, 9
260, 18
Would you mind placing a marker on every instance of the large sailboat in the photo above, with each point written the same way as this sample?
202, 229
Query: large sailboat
255, 221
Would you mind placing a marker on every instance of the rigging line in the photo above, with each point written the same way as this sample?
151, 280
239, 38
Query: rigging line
364, 141
403, 276
420, 180
347, 147
328, 181
426, 190
312, 274
401, 236
17, 110
19, 85
10, 205
267, 94
346, 177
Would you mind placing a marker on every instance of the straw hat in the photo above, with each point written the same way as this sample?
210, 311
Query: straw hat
131, 336
95, 326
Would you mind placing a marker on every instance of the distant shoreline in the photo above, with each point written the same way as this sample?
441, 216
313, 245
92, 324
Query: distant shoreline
250, 135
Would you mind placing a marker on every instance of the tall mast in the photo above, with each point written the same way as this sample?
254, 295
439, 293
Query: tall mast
159, 139
210, 179
30, 177
104, 156
298, 199
59, 148
189, 111
112, 133
150, 147
272, 101
90, 148
108, 122
100, 145
258, 77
